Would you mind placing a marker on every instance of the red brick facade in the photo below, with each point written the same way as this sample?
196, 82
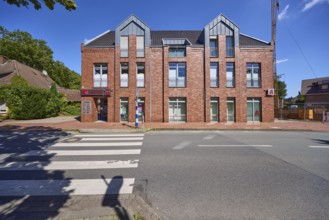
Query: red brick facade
197, 91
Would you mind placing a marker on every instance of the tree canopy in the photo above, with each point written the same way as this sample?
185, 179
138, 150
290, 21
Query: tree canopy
21, 46
37, 4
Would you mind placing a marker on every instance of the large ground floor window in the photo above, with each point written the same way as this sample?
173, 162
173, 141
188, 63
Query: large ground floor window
124, 109
253, 109
214, 109
177, 109
141, 109
230, 110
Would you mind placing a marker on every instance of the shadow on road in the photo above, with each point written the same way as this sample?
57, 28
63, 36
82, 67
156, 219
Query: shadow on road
111, 198
320, 141
27, 189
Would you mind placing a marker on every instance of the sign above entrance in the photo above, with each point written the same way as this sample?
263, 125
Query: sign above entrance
95, 92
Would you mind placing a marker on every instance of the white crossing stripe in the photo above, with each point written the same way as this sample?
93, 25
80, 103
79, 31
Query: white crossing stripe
319, 146
81, 152
66, 187
70, 165
112, 139
209, 137
236, 145
109, 135
102, 144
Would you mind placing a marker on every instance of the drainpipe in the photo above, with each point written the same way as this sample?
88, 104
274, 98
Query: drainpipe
150, 84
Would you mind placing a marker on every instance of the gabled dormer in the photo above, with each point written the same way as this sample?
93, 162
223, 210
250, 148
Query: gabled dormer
132, 26
221, 26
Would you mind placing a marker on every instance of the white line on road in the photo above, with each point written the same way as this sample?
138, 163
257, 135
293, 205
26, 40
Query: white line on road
113, 139
235, 145
109, 135
209, 137
70, 165
77, 144
80, 152
319, 146
181, 145
66, 187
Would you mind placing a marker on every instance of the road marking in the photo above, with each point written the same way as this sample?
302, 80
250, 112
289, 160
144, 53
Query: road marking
319, 146
79, 144
80, 152
209, 137
181, 145
109, 135
237, 145
70, 165
66, 187
112, 139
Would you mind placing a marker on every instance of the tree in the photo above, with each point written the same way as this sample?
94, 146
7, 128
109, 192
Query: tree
68, 4
21, 46
282, 89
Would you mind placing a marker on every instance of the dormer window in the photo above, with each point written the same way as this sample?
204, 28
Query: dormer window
177, 52
213, 47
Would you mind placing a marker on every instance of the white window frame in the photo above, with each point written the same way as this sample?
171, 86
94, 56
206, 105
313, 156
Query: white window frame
253, 78
214, 117
140, 45
100, 79
230, 75
176, 81
214, 74
124, 77
124, 46
140, 77
253, 101
177, 102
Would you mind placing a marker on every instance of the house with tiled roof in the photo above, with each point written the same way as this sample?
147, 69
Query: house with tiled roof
316, 91
40, 79
215, 74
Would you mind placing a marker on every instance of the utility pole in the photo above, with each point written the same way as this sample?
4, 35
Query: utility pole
274, 11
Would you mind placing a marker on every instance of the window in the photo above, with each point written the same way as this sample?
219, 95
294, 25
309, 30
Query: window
213, 48
253, 75
229, 46
124, 46
124, 109
100, 75
230, 110
253, 112
140, 46
214, 82
140, 74
230, 82
141, 109
177, 110
177, 52
214, 109
3, 107
124, 75
177, 74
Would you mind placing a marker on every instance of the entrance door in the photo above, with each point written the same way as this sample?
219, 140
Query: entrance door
102, 113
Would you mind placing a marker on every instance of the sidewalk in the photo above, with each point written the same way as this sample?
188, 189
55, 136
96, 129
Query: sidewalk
72, 124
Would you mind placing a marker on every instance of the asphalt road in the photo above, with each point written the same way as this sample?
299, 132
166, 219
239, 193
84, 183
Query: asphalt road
182, 175
236, 175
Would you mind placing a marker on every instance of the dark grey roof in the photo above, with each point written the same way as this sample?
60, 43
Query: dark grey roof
195, 37
313, 86
246, 41
105, 40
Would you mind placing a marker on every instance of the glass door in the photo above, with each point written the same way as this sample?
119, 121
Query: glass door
214, 110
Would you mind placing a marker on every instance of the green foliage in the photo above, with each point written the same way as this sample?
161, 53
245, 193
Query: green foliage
68, 4
71, 108
282, 89
27, 102
19, 45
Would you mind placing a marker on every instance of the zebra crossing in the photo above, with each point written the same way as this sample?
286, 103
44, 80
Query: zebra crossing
79, 153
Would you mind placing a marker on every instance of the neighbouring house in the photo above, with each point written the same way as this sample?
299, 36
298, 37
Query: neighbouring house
215, 74
316, 97
316, 91
10, 68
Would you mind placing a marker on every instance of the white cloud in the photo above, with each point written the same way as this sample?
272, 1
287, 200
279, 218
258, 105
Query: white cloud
311, 3
281, 61
284, 13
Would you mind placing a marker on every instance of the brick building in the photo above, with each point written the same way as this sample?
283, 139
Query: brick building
210, 75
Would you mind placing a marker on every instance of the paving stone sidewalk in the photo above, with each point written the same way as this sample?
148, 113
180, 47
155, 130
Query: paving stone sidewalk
73, 124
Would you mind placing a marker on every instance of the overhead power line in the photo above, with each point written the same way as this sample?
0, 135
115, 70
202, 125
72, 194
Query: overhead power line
299, 48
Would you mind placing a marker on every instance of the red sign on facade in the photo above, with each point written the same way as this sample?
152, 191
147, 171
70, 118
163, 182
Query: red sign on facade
95, 92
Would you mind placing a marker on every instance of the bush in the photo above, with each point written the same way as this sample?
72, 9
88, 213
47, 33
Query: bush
27, 102
71, 109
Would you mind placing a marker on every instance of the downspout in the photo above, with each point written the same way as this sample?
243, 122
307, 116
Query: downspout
150, 84
115, 49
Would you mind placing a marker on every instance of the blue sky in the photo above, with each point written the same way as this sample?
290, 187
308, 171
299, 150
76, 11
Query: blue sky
305, 20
